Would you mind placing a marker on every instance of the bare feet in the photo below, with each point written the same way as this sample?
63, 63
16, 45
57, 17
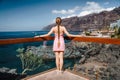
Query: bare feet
59, 71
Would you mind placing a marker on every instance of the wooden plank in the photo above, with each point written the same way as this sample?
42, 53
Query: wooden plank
80, 39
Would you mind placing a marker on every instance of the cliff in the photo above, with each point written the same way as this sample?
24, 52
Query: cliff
91, 21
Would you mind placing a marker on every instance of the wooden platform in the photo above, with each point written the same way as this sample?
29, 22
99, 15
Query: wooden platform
54, 74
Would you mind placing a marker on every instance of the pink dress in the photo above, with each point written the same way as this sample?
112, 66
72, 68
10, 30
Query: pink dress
62, 43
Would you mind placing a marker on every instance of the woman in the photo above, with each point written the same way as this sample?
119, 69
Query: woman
59, 44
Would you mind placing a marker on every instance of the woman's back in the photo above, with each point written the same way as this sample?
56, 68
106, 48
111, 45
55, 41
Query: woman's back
61, 30
59, 44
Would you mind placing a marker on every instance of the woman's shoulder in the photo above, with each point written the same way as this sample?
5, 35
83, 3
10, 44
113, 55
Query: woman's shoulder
63, 26
53, 27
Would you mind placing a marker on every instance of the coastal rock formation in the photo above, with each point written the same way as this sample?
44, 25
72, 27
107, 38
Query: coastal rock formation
47, 53
98, 61
75, 51
91, 21
101, 63
10, 74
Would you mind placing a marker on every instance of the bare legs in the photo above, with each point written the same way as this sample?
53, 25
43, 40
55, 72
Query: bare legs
59, 60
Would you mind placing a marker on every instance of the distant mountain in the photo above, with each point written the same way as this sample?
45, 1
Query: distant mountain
91, 21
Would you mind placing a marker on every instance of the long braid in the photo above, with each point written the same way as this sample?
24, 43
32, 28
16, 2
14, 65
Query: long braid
58, 36
58, 23
58, 32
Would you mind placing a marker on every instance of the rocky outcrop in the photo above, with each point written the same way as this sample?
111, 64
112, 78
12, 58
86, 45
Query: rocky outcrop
72, 50
47, 53
101, 63
96, 60
91, 21
10, 74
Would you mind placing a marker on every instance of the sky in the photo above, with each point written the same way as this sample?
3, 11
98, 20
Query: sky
33, 15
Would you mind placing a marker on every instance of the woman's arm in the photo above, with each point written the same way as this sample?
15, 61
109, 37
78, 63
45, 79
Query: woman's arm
68, 34
49, 33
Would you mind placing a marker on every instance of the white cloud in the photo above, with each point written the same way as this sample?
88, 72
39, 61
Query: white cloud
69, 11
83, 13
72, 15
90, 7
93, 7
109, 9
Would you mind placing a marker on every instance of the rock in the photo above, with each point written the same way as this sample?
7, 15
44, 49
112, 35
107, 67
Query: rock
83, 69
73, 51
102, 69
110, 56
82, 60
10, 74
4, 69
107, 56
12, 71
91, 72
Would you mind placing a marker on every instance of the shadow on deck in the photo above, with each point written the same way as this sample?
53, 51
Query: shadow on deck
53, 74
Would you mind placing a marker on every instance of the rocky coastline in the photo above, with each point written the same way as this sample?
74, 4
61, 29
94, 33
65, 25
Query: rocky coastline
101, 63
96, 60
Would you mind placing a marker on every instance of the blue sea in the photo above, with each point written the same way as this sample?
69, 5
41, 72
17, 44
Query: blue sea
8, 53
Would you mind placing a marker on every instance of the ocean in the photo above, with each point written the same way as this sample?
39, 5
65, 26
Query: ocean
8, 53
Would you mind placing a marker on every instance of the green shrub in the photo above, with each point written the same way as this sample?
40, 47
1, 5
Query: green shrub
30, 61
